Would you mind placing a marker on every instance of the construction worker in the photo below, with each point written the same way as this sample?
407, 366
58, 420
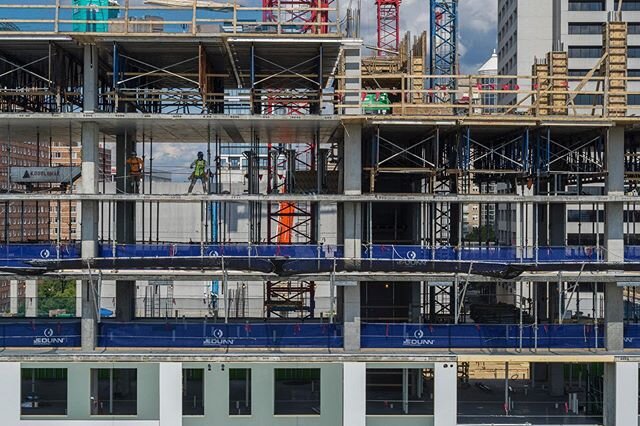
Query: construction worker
136, 167
199, 167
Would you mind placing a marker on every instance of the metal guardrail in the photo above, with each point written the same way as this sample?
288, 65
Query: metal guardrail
476, 96
104, 17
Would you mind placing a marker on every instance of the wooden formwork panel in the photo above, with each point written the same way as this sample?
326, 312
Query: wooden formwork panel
558, 67
614, 40
541, 72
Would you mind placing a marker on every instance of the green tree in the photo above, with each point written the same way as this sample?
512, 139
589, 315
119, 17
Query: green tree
481, 235
56, 294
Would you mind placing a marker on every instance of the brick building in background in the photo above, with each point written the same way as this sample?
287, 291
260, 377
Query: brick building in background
26, 221
64, 155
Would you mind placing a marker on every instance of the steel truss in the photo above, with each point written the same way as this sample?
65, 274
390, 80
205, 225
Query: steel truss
289, 222
444, 46
388, 21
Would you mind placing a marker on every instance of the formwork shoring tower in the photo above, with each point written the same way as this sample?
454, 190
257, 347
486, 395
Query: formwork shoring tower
306, 16
388, 19
443, 49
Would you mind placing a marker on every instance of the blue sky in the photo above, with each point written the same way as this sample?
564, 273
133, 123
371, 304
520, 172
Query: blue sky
477, 23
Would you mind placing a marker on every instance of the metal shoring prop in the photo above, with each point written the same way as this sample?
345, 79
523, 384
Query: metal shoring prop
142, 179
332, 283
521, 314
535, 317
95, 290
463, 294
225, 290
560, 293
573, 290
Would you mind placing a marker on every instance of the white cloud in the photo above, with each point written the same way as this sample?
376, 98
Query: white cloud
478, 16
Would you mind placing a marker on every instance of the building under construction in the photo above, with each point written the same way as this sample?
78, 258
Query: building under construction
342, 285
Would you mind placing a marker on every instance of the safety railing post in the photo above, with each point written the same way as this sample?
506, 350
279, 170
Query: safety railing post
235, 17
126, 16
193, 17
56, 22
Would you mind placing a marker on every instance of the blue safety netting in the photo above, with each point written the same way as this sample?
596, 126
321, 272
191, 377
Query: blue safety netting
217, 250
632, 336
386, 252
17, 255
477, 336
216, 335
486, 254
40, 334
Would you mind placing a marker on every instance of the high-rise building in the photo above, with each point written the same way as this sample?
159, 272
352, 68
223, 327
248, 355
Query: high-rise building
528, 30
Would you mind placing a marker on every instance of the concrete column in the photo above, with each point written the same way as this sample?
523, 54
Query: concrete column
353, 81
125, 224
614, 239
445, 394
89, 213
621, 394
352, 233
556, 379
78, 298
31, 296
10, 391
170, 389
354, 394
13, 297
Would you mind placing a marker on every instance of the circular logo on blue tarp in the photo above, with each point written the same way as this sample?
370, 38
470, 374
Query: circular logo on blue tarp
411, 255
419, 334
213, 253
45, 253
48, 332
218, 334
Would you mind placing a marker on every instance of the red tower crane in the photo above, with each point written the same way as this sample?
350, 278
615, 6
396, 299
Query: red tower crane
388, 26
300, 16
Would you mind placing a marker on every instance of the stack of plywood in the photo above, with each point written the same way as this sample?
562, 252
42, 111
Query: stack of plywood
540, 83
558, 63
615, 45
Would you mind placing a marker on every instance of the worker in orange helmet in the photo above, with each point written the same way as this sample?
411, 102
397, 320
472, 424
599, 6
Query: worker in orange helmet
136, 168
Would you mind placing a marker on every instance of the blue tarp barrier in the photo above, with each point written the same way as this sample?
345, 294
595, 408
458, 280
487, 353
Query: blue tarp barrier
40, 334
228, 250
386, 252
632, 336
17, 255
486, 254
215, 335
490, 336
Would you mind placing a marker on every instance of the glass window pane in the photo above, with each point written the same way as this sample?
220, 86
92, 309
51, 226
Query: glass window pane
43, 391
399, 392
297, 391
239, 391
193, 392
114, 391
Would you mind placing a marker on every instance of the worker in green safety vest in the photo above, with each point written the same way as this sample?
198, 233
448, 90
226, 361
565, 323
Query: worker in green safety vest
199, 167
